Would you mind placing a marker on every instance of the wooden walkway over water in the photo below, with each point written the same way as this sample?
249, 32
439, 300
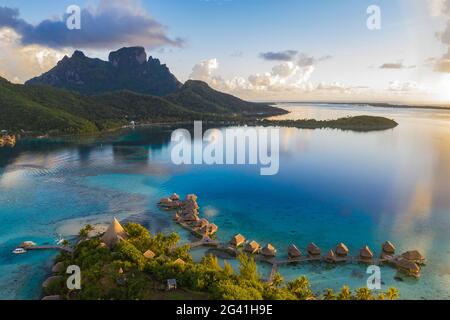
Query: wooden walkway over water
58, 248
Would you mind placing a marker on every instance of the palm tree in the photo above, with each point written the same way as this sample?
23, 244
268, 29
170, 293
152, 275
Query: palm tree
345, 294
392, 294
363, 294
277, 280
329, 295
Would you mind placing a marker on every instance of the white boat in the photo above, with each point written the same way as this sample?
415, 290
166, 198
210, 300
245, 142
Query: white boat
19, 251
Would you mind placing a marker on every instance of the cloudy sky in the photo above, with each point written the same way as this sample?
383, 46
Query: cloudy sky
256, 49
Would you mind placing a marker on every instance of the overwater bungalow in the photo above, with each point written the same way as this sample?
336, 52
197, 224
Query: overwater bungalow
202, 223
366, 254
409, 267
176, 216
388, 248
175, 197
269, 251
237, 240
331, 257
212, 229
414, 256
114, 234
313, 250
190, 218
149, 254
165, 201
294, 252
342, 250
252, 247
192, 197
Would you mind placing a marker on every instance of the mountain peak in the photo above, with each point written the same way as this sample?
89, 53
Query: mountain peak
126, 69
78, 54
128, 56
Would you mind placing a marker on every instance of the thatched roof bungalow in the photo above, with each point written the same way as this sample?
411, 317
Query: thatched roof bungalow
409, 267
212, 229
269, 251
365, 253
252, 247
342, 250
331, 257
414, 256
388, 248
313, 249
176, 216
294, 252
175, 197
202, 223
237, 240
179, 262
165, 201
192, 197
114, 234
149, 254
190, 218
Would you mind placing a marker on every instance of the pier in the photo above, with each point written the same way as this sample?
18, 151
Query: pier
57, 248
187, 216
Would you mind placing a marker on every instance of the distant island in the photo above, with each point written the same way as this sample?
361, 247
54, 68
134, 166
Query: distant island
357, 123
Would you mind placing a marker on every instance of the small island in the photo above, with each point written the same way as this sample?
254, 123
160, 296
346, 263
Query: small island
357, 123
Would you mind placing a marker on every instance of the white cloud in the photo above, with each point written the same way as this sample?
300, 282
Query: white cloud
405, 86
19, 63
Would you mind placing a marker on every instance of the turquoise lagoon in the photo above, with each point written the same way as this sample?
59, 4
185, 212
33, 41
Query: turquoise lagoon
333, 186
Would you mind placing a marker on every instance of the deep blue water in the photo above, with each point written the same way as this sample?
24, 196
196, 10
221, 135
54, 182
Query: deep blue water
333, 186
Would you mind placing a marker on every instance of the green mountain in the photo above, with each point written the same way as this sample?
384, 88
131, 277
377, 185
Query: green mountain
198, 96
44, 109
126, 69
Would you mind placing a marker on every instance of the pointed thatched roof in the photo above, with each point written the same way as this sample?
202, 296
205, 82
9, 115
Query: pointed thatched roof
414, 256
179, 262
237, 240
294, 252
114, 234
342, 250
190, 218
175, 197
269, 251
408, 266
313, 249
366, 253
165, 201
252, 247
202, 223
331, 256
212, 228
388, 247
149, 254
191, 197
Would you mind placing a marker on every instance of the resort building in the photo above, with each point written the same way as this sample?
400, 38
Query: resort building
414, 256
269, 251
294, 252
114, 234
179, 262
331, 257
313, 250
366, 254
388, 248
342, 250
252, 247
237, 240
409, 267
149, 254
